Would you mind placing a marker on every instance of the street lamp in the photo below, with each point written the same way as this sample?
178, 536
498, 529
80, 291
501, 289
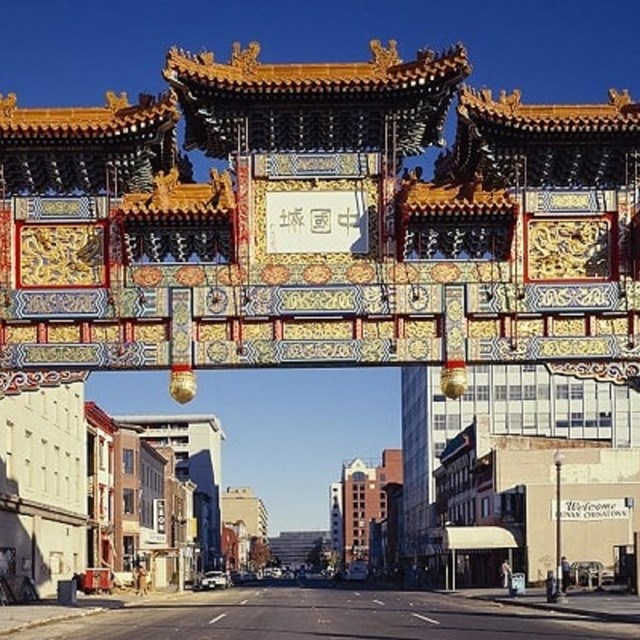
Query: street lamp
558, 459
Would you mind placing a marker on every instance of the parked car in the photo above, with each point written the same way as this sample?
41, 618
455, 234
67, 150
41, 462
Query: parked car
212, 580
587, 573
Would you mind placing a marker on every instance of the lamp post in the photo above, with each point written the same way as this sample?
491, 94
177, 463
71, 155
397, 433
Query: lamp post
558, 459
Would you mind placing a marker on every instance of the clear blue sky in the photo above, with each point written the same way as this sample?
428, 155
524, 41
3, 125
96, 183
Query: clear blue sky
288, 431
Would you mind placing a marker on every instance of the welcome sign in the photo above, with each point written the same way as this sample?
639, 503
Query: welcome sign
590, 510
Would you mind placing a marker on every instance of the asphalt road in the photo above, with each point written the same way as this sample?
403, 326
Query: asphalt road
318, 611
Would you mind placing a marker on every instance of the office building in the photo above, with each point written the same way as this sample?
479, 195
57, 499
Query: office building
522, 400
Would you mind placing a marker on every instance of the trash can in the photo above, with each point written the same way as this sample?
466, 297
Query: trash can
552, 591
516, 584
67, 592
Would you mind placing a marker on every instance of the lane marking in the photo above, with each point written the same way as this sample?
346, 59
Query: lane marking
217, 618
431, 620
244, 602
379, 602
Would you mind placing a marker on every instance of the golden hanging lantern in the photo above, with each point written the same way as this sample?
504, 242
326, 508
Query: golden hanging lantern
183, 385
453, 381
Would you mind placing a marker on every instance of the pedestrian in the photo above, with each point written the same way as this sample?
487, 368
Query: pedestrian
505, 573
141, 581
566, 574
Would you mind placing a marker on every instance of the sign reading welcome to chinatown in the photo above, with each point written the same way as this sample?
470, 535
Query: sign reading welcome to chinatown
590, 510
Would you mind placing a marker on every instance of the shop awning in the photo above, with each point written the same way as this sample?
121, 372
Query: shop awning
479, 538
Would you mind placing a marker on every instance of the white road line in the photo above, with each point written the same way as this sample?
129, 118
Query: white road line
217, 618
244, 602
379, 602
431, 620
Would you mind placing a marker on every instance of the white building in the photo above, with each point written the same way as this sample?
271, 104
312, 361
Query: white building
197, 442
516, 400
43, 485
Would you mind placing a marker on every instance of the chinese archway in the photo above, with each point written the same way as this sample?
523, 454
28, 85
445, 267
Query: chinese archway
316, 243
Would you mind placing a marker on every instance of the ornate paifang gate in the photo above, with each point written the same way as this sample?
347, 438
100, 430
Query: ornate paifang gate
311, 250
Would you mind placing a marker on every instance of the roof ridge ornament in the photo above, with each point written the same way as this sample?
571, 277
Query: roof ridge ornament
163, 186
245, 59
116, 103
8, 105
510, 100
383, 58
619, 99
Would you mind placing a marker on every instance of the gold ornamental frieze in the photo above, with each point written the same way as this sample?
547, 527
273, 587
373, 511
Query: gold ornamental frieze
558, 348
318, 330
373, 329
56, 355
20, 335
426, 328
555, 202
212, 331
529, 327
483, 328
63, 333
106, 333
612, 326
598, 296
257, 330
313, 350
153, 333
568, 249
62, 255
326, 301
568, 327
84, 208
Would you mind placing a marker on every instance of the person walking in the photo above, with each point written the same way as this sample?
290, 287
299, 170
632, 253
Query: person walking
505, 572
566, 574
141, 581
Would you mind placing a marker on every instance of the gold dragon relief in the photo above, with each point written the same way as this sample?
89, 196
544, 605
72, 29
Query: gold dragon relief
62, 255
568, 249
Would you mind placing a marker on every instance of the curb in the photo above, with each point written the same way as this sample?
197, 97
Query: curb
80, 613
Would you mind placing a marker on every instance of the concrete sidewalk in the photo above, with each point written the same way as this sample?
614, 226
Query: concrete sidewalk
608, 604
16, 617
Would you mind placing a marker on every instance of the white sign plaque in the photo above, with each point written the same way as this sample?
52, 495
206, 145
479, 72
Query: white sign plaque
590, 510
317, 222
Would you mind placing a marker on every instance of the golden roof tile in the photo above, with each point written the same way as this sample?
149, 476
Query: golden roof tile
428, 198
116, 115
385, 67
508, 107
171, 198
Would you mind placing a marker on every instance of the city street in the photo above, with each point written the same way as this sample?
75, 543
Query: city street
315, 609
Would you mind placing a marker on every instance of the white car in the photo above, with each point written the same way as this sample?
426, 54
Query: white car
213, 580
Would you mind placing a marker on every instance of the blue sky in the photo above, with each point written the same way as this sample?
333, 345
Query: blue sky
288, 431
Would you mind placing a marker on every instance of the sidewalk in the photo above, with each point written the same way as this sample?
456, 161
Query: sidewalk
608, 604
16, 617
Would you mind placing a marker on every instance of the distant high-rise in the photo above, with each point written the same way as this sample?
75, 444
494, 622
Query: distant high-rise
364, 499
240, 503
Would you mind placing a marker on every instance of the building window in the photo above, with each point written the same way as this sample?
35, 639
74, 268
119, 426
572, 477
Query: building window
577, 419
440, 422
501, 392
577, 392
482, 392
529, 391
485, 511
128, 501
515, 393
127, 461
562, 391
